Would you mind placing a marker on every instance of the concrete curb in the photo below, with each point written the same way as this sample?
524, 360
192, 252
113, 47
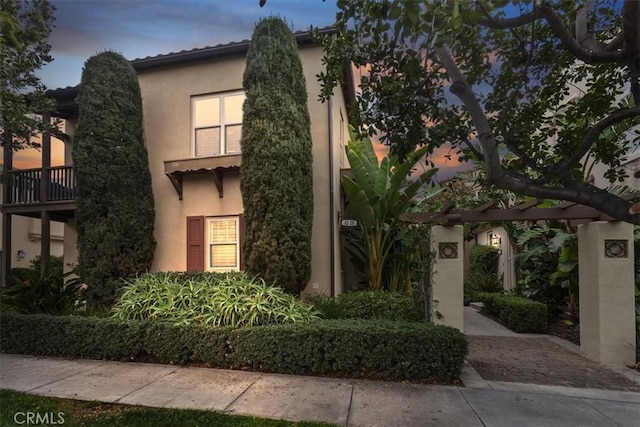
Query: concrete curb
588, 393
471, 378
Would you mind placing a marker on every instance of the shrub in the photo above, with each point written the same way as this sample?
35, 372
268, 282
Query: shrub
482, 275
516, 313
221, 300
115, 214
482, 282
30, 292
487, 299
353, 348
521, 314
468, 297
206, 277
55, 269
276, 176
23, 275
368, 305
483, 259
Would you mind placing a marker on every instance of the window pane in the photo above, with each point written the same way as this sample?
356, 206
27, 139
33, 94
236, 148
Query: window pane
232, 138
207, 142
207, 112
233, 108
223, 243
222, 231
223, 256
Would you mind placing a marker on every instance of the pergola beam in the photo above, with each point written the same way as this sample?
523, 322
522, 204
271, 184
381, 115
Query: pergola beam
517, 213
527, 205
488, 205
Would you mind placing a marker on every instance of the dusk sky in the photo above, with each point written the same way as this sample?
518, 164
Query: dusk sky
140, 28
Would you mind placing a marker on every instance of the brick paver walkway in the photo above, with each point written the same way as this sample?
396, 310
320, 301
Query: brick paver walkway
540, 361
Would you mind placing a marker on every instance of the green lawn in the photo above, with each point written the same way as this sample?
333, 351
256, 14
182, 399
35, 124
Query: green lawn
67, 412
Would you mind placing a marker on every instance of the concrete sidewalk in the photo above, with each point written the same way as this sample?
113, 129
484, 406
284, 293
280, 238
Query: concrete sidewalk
339, 401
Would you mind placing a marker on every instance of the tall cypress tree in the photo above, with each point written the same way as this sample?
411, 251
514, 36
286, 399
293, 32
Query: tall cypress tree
276, 172
115, 214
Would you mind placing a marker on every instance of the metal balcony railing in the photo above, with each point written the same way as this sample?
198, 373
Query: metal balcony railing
24, 186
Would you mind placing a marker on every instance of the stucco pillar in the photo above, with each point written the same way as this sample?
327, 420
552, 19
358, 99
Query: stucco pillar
607, 311
447, 246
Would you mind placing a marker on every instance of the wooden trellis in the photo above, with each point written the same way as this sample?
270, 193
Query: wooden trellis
526, 211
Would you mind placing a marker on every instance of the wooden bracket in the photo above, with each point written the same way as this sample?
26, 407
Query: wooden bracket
217, 180
177, 183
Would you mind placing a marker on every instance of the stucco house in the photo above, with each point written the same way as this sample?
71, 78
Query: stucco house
192, 109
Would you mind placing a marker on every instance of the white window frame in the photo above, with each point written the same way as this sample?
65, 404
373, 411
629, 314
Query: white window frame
209, 244
221, 124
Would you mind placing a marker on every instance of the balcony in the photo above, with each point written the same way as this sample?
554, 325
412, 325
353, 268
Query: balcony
25, 194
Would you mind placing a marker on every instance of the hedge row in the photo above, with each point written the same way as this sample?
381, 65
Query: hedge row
351, 348
516, 313
369, 305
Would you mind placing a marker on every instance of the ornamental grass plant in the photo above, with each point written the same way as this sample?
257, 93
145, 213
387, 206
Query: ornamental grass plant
216, 300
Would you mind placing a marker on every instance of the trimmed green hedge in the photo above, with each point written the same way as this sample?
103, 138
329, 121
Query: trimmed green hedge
350, 348
487, 299
369, 305
516, 313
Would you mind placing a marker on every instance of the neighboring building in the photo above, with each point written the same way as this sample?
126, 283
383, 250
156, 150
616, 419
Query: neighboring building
499, 239
192, 109
26, 236
631, 165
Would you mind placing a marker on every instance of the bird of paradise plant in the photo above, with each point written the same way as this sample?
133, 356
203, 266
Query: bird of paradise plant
379, 192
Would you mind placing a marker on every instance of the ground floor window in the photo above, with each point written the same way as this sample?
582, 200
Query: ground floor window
223, 248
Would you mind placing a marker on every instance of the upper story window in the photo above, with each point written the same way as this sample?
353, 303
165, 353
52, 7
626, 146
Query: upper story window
217, 124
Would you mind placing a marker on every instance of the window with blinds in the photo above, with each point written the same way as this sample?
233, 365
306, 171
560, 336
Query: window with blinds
224, 251
217, 124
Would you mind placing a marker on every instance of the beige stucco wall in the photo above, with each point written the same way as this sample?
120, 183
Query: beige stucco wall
25, 236
167, 95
